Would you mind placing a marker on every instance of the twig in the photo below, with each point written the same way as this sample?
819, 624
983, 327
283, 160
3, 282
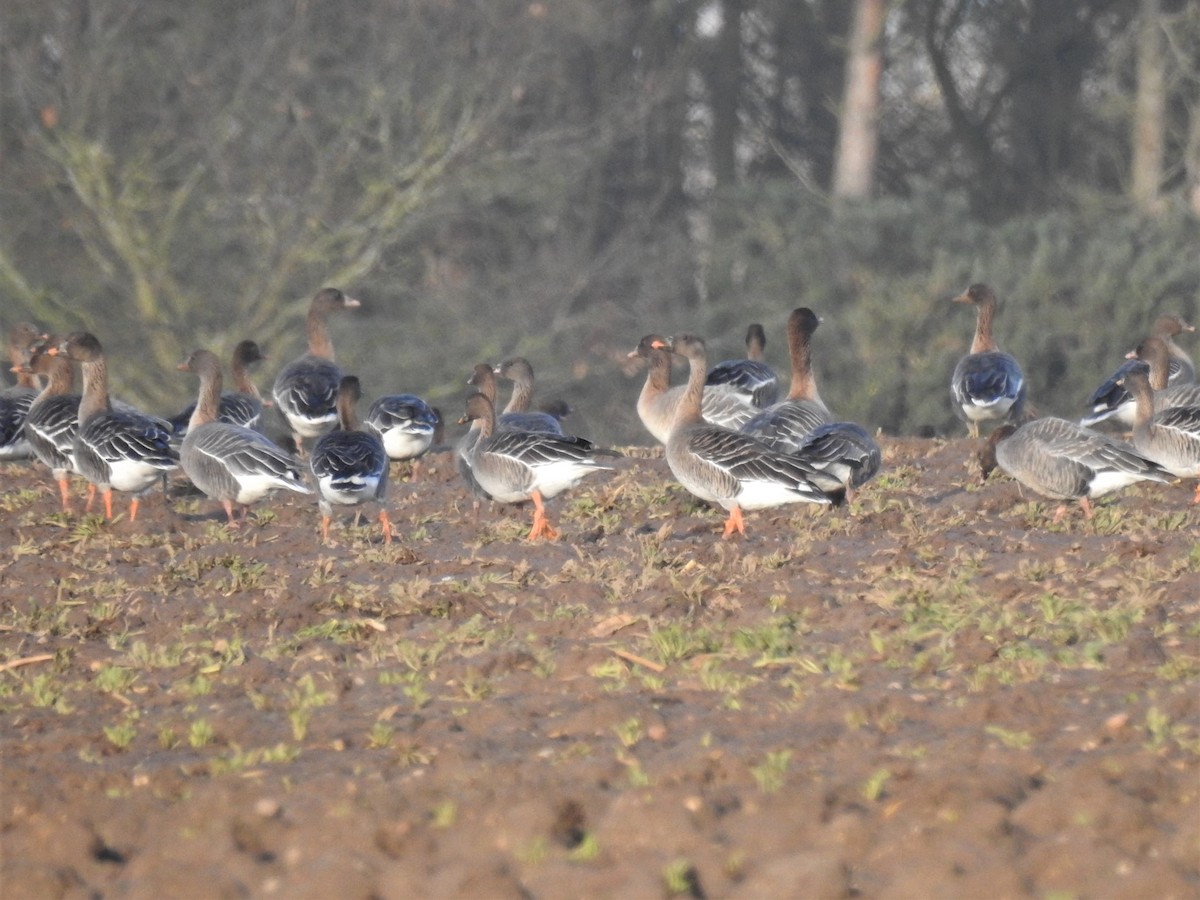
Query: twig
640, 660
25, 661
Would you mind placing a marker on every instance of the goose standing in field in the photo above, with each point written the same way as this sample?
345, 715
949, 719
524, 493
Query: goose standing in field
988, 384
16, 400
514, 466
53, 419
754, 380
518, 370
405, 423
114, 449
230, 463
516, 416
729, 468
720, 405
306, 388
241, 406
351, 466
784, 426
1155, 353
1112, 402
1169, 437
844, 453
1064, 461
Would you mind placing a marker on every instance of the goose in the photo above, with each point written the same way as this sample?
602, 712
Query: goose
1169, 437
1112, 402
729, 468
987, 384
784, 425
518, 413
228, 462
16, 400
844, 452
720, 405
1065, 461
306, 388
513, 466
114, 449
752, 378
241, 406
405, 423
1156, 353
53, 419
351, 466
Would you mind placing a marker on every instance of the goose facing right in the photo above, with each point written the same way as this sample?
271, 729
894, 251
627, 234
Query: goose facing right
1064, 461
306, 389
230, 463
988, 384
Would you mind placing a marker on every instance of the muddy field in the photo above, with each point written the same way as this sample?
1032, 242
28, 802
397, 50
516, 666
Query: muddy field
933, 693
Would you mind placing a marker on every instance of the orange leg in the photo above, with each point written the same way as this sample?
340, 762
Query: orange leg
735, 522
1196, 499
231, 520
325, 520
108, 505
386, 524
133, 508
541, 524
91, 497
1086, 506
64, 490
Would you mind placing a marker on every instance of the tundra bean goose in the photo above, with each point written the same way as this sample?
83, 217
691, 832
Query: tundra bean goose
729, 468
241, 406
306, 388
753, 380
1155, 353
1064, 461
988, 384
230, 463
1170, 437
351, 466
16, 400
1111, 402
53, 419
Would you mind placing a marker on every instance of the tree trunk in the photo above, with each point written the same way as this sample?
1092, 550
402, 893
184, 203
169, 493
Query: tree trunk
724, 89
858, 139
1149, 114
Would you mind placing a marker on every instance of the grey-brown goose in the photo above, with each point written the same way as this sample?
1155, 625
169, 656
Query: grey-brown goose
786, 424
1064, 461
988, 384
658, 400
754, 380
351, 466
241, 406
517, 415
306, 388
230, 463
727, 467
514, 466
53, 419
1112, 402
1170, 437
16, 400
1155, 353
115, 449
844, 453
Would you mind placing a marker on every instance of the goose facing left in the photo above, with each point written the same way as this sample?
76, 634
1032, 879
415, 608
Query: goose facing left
16, 400
227, 462
306, 389
115, 449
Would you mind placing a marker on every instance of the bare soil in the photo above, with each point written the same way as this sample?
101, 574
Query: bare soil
935, 692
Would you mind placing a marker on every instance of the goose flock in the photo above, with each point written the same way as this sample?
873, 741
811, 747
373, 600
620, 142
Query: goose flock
728, 437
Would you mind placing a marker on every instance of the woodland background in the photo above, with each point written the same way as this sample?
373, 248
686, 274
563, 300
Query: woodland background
558, 178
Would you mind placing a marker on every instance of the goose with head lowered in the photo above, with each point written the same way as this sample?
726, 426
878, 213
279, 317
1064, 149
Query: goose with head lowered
1064, 461
514, 466
784, 425
405, 423
351, 466
1111, 402
114, 449
988, 384
754, 380
230, 463
306, 389
730, 468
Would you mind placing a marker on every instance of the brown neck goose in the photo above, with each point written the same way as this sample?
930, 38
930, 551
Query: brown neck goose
241, 406
53, 419
752, 378
517, 415
351, 466
720, 405
120, 449
305, 389
1111, 402
513, 466
988, 384
785, 425
727, 467
228, 462
1064, 461
1155, 353
1169, 437
16, 400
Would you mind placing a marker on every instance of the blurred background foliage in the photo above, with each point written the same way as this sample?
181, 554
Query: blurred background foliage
555, 179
